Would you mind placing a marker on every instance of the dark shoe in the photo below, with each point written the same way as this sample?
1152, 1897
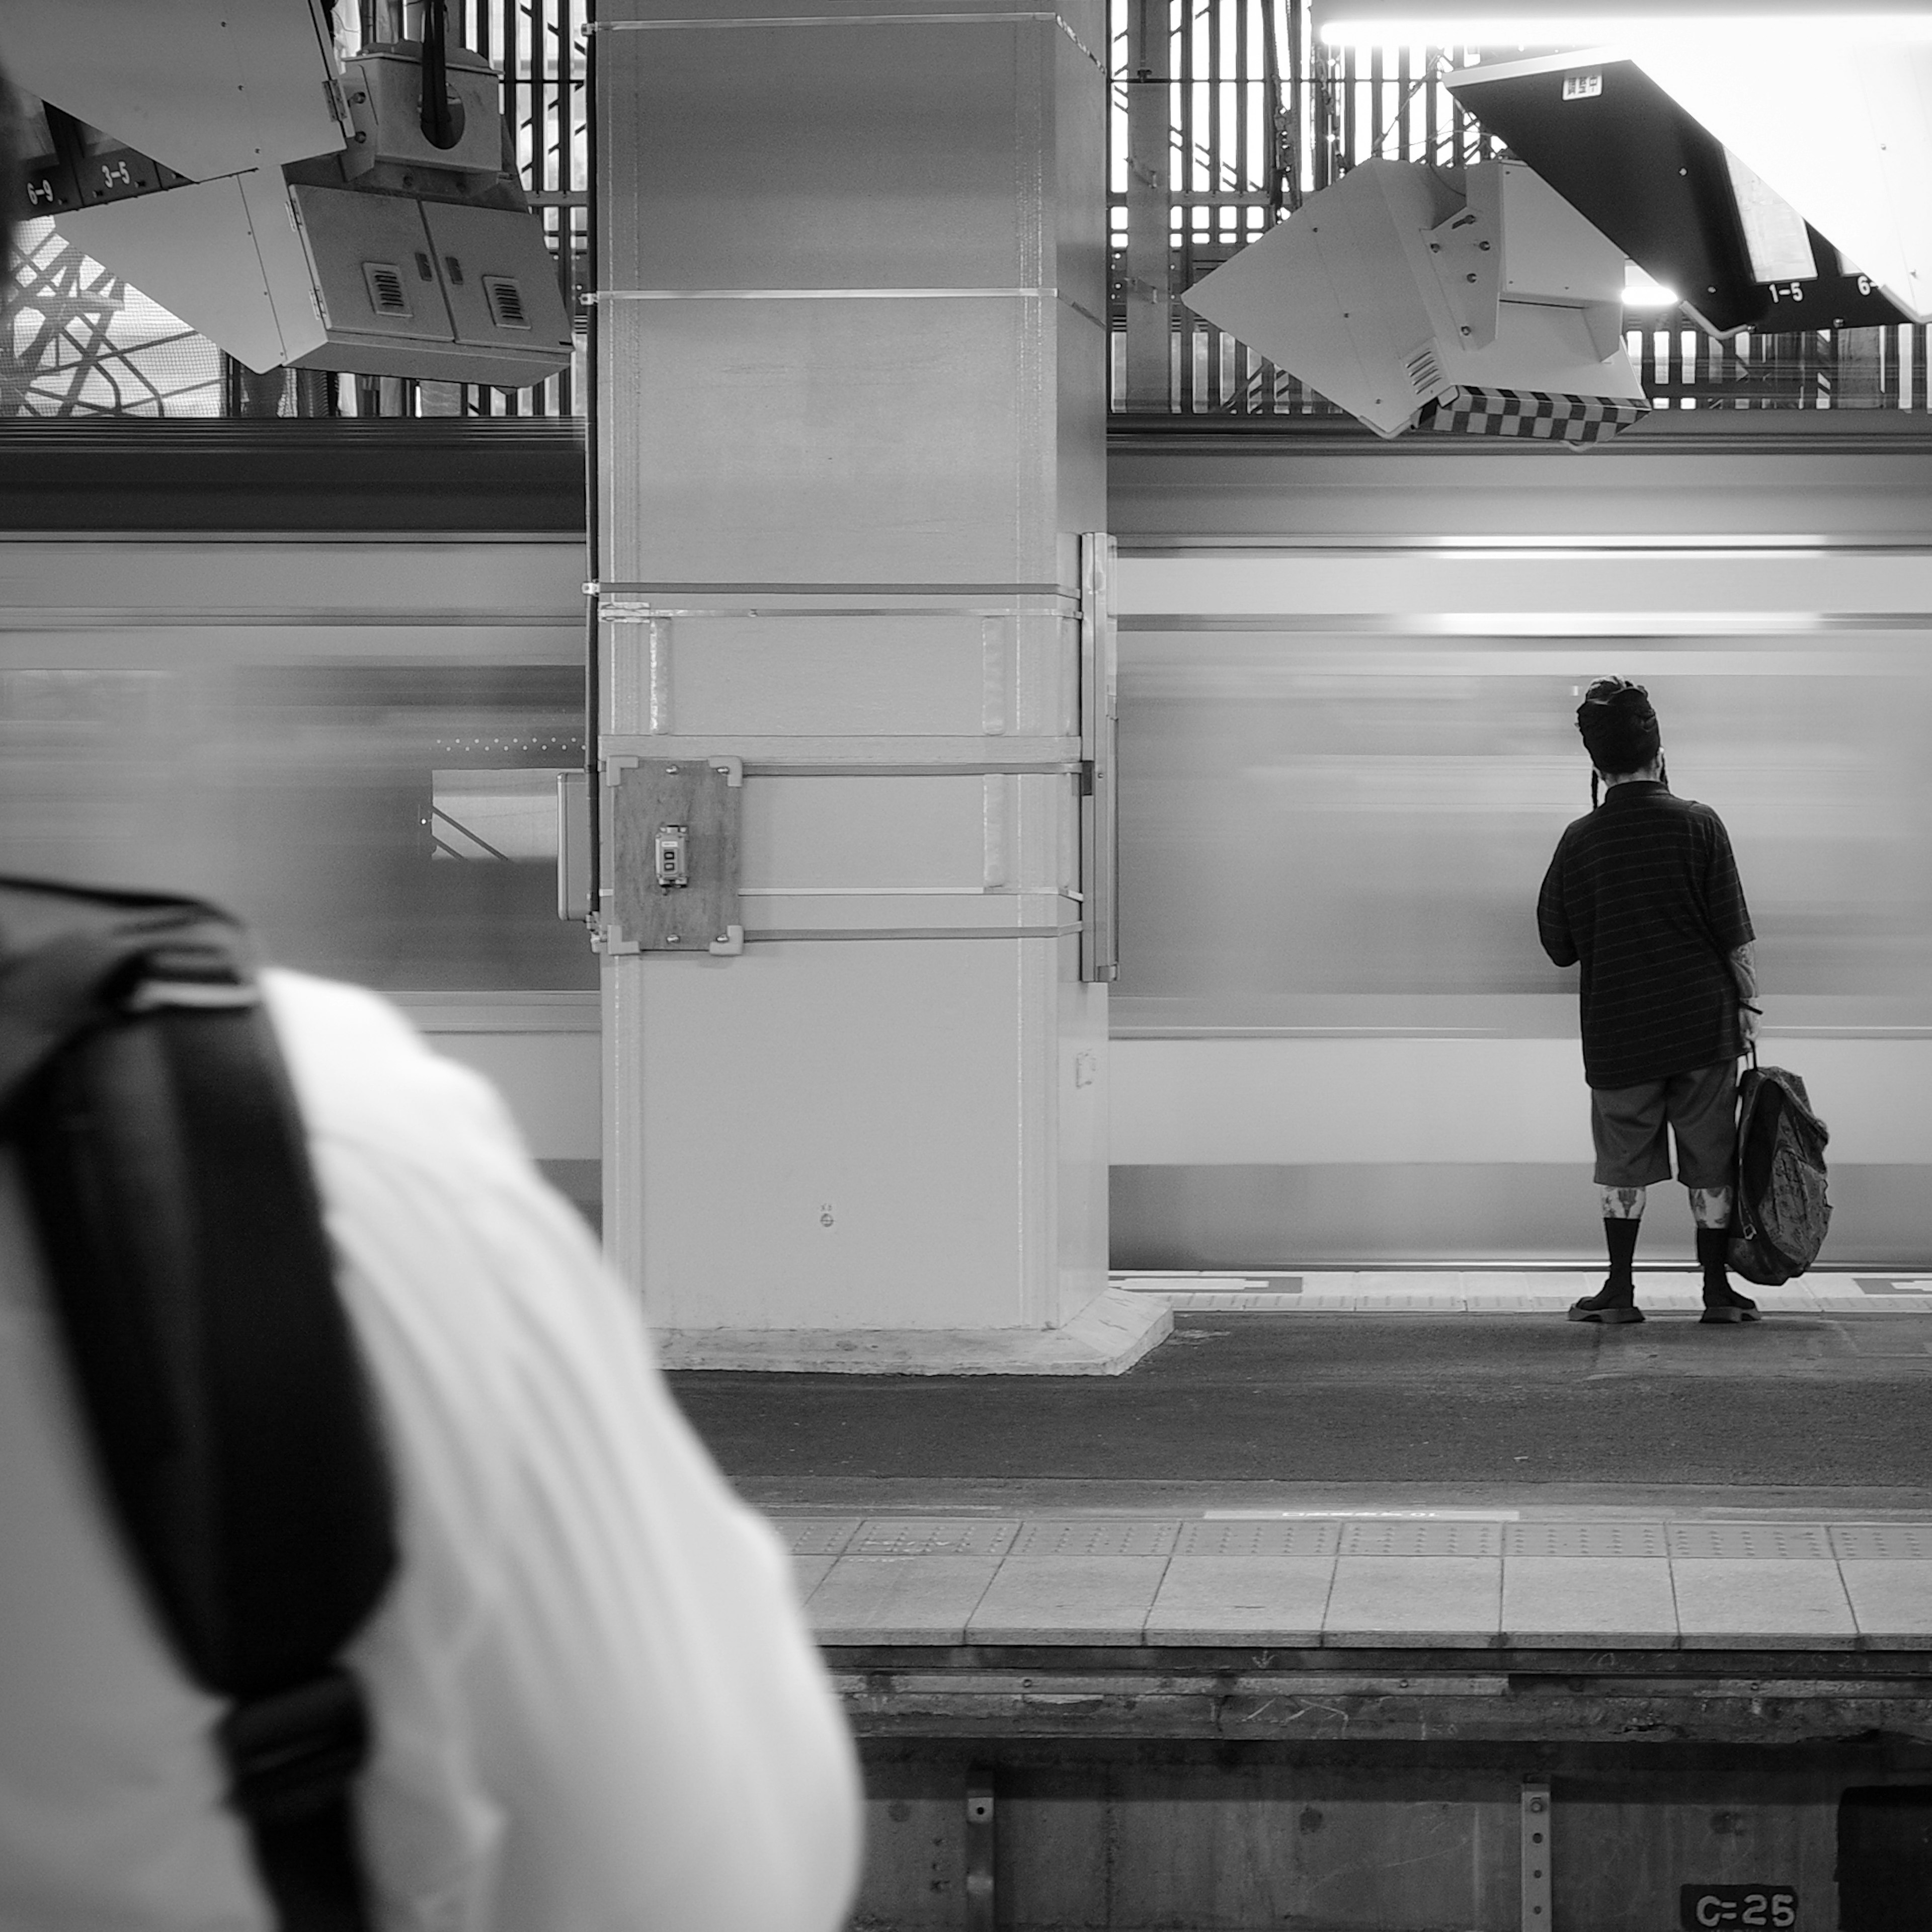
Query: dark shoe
1610, 1305
1726, 1305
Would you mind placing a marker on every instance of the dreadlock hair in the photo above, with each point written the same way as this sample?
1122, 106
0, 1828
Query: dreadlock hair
1619, 728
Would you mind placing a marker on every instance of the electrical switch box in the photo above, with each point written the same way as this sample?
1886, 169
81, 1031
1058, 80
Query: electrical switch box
375, 274
452, 292
670, 849
498, 279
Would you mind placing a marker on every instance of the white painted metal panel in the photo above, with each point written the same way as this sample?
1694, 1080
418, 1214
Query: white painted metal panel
851, 1086
223, 255
929, 470
1844, 134
206, 87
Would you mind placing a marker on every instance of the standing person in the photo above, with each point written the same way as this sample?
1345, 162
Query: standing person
1644, 892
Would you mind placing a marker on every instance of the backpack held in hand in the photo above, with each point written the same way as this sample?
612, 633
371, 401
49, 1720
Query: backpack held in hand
1781, 1210
143, 1094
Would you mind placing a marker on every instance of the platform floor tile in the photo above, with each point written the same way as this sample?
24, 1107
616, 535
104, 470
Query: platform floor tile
815, 1544
817, 1535
1237, 1539
1521, 1304
990, 1536
1864, 1541
1611, 1538
1578, 1601
1422, 1539
808, 1570
927, 1599
1241, 1600
1669, 1291
1362, 1581
1891, 1600
1727, 1603
1069, 1599
1454, 1602
1760, 1542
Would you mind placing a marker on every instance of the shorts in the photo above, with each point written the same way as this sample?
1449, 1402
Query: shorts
1628, 1122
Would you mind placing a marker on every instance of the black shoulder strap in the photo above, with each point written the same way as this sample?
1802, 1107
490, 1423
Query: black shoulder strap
169, 1180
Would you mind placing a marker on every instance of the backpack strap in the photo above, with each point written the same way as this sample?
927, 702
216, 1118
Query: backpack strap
231, 1423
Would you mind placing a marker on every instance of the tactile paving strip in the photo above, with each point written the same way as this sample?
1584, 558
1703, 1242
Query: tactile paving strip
1260, 1539
932, 1536
1584, 1539
1758, 1542
1422, 1539
805, 1536
1875, 1541
1038, 1540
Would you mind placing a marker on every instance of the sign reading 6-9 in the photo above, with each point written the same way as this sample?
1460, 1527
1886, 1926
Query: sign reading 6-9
1706, 1908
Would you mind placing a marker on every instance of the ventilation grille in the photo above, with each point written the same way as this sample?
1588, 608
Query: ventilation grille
506, 302
1425, 373
387, 295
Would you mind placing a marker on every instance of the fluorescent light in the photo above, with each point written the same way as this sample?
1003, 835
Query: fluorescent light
1640, 291
1361, 25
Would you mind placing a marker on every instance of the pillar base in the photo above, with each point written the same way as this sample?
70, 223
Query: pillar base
1108, 1337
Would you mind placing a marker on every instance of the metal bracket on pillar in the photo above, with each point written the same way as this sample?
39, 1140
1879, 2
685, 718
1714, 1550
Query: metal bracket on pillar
1149, 304
1536, 1849
979, 1818
574, 863
1099, 707
672, 839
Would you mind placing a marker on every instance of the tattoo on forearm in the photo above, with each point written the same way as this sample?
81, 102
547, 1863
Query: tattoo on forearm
1744, 971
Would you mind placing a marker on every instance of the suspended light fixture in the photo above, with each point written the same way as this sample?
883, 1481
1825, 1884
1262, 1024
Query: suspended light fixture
1773, 192
1553, 23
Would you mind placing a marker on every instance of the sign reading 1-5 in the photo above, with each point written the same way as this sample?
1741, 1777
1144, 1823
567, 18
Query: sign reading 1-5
1705, 1908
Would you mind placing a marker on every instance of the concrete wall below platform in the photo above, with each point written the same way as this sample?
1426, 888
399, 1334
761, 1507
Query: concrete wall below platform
1129, 1837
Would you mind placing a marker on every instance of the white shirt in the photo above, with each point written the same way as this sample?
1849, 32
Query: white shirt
596, 1703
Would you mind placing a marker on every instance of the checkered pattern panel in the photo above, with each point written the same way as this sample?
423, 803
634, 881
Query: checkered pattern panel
1530, 414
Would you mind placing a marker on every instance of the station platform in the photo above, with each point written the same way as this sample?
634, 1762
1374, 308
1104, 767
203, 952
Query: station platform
1337, 1461
1309, 1579
1385, 1599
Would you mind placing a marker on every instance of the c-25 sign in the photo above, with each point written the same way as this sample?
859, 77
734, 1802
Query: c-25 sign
1731, 1908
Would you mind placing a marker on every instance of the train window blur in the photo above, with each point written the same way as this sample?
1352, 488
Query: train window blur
315, 800
1344, 833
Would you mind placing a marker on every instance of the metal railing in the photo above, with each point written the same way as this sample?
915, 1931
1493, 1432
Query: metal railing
1227, 114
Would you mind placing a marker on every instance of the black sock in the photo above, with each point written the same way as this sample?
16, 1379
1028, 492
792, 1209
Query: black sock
1712, 1245
1620, 1237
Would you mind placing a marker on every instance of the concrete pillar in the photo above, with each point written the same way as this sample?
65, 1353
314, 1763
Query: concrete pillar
851, 430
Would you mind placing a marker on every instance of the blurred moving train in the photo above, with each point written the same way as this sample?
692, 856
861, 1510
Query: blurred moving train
1347, 677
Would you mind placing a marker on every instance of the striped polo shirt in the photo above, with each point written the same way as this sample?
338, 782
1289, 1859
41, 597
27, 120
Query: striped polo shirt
1645, 892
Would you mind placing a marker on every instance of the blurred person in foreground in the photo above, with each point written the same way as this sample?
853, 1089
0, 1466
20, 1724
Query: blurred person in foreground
596, 1705
1644, 892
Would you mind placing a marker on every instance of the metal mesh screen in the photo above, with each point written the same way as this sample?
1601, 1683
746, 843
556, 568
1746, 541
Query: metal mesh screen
1227, 114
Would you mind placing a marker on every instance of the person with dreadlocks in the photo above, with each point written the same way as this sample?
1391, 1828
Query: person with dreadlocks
1644, 891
